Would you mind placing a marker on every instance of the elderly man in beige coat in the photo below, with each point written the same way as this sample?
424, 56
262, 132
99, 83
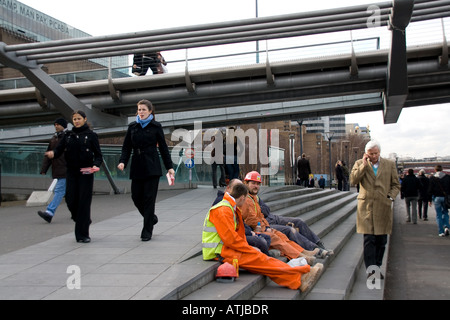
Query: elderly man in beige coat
379, 186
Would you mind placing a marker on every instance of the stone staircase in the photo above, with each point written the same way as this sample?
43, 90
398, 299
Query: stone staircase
329, 213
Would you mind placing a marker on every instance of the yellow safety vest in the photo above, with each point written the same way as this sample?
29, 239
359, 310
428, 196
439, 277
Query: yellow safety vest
211, 242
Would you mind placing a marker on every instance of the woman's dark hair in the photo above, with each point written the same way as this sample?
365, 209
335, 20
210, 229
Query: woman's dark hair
81, 113
148, 104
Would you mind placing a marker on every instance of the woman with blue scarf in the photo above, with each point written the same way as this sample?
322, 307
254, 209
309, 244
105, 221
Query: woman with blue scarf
143, 137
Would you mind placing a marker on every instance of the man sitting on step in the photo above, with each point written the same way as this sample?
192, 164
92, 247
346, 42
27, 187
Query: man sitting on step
223, 238
294, 228
252, 215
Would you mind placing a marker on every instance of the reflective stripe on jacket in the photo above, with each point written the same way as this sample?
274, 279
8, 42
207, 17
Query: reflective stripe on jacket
211, 242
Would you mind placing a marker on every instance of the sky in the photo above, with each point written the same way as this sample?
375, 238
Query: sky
419, 132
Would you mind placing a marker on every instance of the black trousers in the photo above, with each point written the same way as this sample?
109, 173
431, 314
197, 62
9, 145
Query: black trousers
143, 194
79, 189
374, 247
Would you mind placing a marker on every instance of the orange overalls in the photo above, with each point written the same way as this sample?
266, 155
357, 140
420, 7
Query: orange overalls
251, 213
235, 245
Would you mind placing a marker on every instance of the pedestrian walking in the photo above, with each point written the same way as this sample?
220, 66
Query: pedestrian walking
143, 137
303, 170
83, 155
440, 187
58, 171
410, 192
422, 202
378, 187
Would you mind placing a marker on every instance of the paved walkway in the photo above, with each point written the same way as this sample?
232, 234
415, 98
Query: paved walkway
116, 264
43, 259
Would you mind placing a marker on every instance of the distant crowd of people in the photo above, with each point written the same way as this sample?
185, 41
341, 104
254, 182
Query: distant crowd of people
422, 191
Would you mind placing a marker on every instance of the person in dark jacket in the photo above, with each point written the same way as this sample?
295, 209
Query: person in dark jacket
58, 171
439, 186
143, 137
410, 192
303, 170
339, 175
422, 202
83, 156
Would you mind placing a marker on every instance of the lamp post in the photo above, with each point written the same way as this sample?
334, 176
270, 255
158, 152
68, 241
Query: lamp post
329, 136
257, 42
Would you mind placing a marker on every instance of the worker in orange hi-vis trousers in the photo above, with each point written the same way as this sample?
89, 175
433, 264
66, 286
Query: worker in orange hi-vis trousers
251, 213
224, 239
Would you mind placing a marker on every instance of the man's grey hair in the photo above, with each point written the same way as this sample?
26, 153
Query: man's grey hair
372, 144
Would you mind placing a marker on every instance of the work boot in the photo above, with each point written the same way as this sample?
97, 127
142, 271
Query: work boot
310, 259
311, 253
310, 278
274, 253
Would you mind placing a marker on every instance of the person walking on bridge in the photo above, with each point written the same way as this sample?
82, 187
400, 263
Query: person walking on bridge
438, 189
143, 138
379, 186
58, 171
83, 156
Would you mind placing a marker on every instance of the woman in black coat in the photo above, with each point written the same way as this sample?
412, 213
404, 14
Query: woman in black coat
143, 137
81, 150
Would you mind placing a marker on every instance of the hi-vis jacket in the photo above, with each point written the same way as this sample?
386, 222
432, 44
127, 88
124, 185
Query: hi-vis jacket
211, 242
229, 228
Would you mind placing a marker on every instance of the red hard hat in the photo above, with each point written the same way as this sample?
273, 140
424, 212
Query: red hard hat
226, 270
253, 176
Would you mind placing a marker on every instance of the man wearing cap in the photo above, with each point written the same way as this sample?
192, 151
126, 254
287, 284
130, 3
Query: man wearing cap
252, 215
58, 171
223, 238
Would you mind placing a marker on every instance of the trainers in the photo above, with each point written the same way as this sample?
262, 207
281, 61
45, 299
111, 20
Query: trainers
446, 231
308, 279
44, 215
441, 234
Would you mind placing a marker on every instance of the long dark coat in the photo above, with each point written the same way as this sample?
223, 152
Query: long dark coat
374, 213
143, 143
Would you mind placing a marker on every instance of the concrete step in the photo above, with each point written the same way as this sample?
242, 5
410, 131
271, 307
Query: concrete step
243, 288
337, 282
331, 216
326, 200
295, 199
335, 240
277, 194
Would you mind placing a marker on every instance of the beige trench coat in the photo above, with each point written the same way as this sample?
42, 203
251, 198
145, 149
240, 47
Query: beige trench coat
374, 214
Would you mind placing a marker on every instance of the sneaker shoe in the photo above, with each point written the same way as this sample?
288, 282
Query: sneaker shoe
441, 234
44, 215
310, 278
446, 231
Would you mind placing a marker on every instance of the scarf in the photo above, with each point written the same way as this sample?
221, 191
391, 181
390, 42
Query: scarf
144, 122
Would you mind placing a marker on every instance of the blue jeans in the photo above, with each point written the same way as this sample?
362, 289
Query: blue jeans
441, 213
59, 193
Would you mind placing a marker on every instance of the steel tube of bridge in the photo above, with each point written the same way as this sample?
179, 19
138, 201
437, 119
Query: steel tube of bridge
230, 32
296, 16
